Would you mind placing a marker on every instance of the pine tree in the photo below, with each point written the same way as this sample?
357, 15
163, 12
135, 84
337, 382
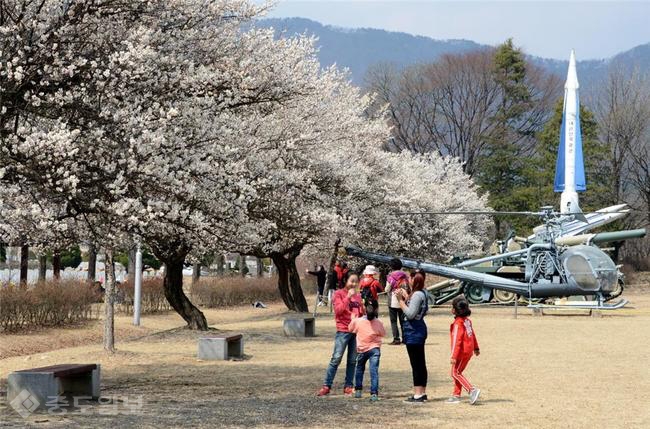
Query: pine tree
501, 168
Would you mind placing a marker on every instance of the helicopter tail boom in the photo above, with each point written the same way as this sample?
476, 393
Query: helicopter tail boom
482, 279
540, 289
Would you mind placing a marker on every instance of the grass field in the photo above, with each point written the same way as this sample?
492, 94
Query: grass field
551, 371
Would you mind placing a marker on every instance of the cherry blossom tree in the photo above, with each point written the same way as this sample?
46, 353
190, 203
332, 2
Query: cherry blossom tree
170, 123
91, 122
321, 175
408, 184
305, 165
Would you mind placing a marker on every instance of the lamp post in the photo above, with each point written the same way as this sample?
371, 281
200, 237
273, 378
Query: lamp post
137, 295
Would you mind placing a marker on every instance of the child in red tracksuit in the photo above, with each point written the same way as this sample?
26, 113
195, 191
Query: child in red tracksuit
463, 345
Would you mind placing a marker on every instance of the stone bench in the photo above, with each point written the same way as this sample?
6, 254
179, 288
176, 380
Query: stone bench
299, 327
221, 347
33, 388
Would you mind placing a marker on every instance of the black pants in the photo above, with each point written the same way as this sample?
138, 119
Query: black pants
418, 364
395, 315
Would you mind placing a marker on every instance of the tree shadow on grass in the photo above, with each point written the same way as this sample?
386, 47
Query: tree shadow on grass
236, 394
245, 393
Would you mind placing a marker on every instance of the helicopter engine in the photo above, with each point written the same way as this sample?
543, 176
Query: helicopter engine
589, 269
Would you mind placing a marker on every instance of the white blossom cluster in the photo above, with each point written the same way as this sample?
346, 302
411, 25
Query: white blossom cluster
180, 123
423, 183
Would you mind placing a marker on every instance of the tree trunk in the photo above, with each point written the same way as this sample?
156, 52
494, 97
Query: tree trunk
196, 273
131, 266
617, 250
260, 267
221, 261
331, 276
243, 266
383, 277
42, 268
109, 300
24, 263
92, 263
173, 285
289, 281
56, 265
283, 281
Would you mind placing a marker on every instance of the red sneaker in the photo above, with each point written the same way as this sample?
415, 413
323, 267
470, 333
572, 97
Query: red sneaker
324, 391
348, 391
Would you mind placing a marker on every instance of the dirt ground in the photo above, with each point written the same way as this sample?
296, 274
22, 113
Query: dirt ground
552, 371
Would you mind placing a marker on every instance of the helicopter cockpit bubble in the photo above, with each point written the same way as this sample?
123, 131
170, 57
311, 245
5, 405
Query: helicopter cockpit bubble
589, 268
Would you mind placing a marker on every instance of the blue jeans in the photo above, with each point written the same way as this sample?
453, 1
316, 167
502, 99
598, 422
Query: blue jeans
372, 356
342, 340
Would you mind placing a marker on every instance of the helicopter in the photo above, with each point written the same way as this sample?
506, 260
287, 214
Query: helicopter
552, 264
508, 257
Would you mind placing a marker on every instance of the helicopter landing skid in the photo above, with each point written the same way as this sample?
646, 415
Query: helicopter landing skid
590, 305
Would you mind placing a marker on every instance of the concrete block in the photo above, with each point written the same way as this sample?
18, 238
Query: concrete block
299, 327
96, 382
40, 387
220, 348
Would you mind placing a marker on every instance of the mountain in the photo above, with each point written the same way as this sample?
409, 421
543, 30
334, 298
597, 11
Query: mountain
357, 49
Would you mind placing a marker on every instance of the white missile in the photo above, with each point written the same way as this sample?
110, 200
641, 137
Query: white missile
570, 170
594, 220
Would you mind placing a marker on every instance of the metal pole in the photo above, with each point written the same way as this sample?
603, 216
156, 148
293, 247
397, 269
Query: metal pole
316, 304
516, 304
137, 295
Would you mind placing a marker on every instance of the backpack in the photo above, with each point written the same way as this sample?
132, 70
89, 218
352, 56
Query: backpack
366, 295
415, 331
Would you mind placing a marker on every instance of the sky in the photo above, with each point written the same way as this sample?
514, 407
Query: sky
550, 29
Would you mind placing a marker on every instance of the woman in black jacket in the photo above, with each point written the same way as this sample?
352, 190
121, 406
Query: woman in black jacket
321, 275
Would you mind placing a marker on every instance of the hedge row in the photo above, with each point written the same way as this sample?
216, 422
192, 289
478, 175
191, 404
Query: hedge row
153, 297
46, 304
230, 291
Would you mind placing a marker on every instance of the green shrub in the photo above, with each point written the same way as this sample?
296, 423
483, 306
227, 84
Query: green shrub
229, 291
71, 258
148, 260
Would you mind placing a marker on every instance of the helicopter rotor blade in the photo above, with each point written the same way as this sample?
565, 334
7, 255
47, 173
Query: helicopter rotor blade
513, 213
478, 213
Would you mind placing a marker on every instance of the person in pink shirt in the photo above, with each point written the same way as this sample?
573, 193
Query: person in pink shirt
370, 332
347, 303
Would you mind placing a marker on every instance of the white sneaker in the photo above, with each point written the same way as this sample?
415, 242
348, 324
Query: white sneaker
453, 400
321, 304
473, 395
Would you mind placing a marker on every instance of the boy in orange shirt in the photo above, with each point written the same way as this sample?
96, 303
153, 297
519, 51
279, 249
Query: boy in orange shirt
370, 332
463, 345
